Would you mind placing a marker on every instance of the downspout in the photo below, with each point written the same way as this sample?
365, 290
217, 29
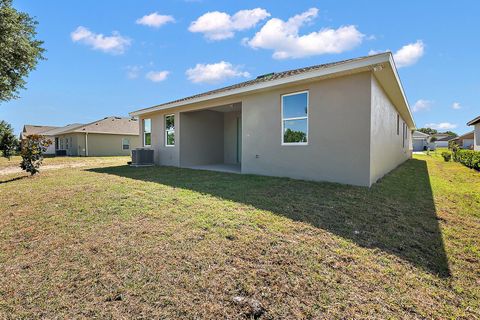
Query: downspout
86, 144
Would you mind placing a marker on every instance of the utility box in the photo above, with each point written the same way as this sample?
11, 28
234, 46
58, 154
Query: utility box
142, 157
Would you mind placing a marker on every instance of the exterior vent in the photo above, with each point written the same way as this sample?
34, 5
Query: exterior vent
266, 76
142, 157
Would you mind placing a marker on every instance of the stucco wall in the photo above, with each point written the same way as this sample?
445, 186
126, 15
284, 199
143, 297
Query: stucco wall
99, 144
110, 144
476, 137
230, 137
202, 138
338, 141
387, 150
163, 155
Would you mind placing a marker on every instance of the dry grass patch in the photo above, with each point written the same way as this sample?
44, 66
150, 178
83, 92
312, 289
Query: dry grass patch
109, 241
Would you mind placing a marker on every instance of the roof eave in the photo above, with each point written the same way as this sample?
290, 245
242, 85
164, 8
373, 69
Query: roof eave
336, 69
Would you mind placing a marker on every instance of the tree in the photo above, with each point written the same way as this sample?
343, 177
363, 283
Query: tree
451, 133
19, 50
8, 140
429, 131
33, 148
294, 136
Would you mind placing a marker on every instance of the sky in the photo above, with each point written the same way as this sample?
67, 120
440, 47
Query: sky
109, 58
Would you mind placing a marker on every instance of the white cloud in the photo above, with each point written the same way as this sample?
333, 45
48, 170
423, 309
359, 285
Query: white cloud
115, 43
157, 76
133, 72
422, 104
217, 25
456, 106
155, 20
283, 38
214, 73
409, 54
441, 126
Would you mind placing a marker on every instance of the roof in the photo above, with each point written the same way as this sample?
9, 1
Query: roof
29, 129
419, 134
474, 121
108, 125
447, 138
468, 135
60, 130
382, 64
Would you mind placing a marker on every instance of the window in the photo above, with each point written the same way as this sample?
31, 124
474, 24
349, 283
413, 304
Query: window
398, 124
404, 134
170, 130
295, 118
125, 144
61, 143
147, 132
66, 143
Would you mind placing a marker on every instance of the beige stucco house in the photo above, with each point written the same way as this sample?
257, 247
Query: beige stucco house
346, 122
110, 136
476, 132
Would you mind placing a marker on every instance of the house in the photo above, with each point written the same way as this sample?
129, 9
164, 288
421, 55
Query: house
442, 139
346, 122
421, 141
476, 132
30, 129
110, 136
465, 141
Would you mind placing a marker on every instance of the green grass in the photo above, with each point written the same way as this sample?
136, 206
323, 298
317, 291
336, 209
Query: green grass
110, 241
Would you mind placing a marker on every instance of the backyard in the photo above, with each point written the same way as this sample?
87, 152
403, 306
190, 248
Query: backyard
95, 238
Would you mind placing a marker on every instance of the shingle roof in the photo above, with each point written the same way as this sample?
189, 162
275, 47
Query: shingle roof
264, 78
110, 125
474, 121
34, 129
447, 138
60, 130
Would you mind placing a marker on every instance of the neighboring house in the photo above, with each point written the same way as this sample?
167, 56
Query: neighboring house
442, 139
110, 136
465, 141
346, 122
476, 132
29, 129
421, 141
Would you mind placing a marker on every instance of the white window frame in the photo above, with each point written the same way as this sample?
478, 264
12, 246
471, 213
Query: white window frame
127, 139
169, 130
144, 132
295, 118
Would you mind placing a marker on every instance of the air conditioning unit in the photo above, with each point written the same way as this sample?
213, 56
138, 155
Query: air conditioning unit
142, 157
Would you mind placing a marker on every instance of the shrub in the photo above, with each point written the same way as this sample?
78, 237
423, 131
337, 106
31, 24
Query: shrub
33, 148
446, 156
468, 158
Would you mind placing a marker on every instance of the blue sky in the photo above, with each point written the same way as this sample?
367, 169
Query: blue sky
112, 57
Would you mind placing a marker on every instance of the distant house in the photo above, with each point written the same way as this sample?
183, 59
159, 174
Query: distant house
421, 141
442, 139
30, 129
110, 136
346, 121
476, 132
465, 141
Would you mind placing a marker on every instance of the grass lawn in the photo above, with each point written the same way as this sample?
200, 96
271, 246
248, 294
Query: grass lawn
109, 241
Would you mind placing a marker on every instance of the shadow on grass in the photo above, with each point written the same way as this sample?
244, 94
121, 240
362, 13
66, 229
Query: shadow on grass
13, 179
396, 215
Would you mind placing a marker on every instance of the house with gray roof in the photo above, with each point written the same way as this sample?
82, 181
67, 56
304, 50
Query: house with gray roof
110, 136
346, 122
30, 129
476, 132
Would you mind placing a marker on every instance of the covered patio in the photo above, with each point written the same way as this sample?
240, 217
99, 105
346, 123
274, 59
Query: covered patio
211, 138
